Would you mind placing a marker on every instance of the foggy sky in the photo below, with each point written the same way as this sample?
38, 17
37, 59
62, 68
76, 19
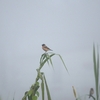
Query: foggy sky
68, 27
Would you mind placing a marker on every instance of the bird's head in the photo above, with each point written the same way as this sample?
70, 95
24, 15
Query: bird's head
91, 88
43, 44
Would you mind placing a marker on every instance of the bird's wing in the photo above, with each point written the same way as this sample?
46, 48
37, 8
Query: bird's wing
46, 47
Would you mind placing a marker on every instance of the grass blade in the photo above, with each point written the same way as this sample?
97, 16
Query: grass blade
47, 89
42, 64
46, 56
97, 83
49, 58
42, 88
74, 91
42, 58
34, 97
96, 71
63, 62
94, 62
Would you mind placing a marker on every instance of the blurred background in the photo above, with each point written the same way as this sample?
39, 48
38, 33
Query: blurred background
68, 27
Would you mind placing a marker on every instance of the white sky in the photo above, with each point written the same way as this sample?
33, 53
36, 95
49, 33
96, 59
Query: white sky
69, 27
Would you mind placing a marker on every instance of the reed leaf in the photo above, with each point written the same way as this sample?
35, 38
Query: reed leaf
42, 88
34, 97
42, 63
96, 70
47, 89
37, 93
63, 62
42, 58
74, 91
48, 56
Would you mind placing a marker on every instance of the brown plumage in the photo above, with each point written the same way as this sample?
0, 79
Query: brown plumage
91, 92
45, 48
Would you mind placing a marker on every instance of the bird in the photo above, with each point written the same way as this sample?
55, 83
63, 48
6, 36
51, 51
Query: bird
91, 92
45, 48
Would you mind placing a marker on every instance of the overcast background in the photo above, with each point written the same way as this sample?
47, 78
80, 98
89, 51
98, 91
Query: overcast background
69, 27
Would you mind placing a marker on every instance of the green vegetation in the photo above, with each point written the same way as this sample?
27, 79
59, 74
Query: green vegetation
33, 93
40, 81
0, 98
96, 71
96, 76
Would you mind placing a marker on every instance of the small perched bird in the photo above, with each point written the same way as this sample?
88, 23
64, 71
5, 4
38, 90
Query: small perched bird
45, 48
91, 92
